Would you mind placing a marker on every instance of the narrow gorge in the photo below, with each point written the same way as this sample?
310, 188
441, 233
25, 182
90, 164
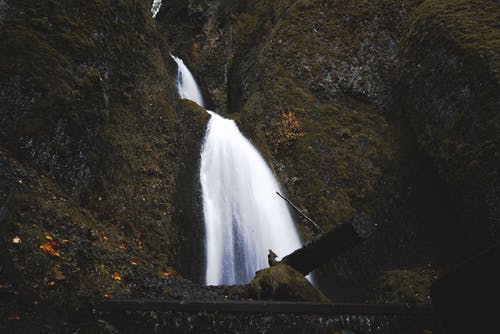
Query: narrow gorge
134, 198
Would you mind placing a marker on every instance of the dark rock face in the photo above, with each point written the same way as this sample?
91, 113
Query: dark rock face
94, 148
449, 75
200, 32
188, 214
3, 10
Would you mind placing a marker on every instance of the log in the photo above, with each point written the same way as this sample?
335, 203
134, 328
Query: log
326, 246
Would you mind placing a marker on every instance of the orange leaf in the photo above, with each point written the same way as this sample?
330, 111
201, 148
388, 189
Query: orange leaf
117, 277
48, 247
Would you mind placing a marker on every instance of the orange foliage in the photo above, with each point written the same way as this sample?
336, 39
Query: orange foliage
48, 248
287, 130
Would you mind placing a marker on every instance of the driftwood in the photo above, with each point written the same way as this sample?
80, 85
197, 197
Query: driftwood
329, 245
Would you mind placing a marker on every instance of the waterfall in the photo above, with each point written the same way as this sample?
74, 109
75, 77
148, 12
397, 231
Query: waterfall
186, 84
155, 8
243, 215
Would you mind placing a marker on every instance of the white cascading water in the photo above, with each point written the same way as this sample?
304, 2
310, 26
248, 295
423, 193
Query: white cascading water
186, 84
155, 8
243, 215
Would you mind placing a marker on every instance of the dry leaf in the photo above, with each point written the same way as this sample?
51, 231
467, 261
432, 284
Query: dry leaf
48, 247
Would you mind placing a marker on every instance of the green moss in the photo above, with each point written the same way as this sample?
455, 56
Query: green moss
246, 28
472, 25
403, 286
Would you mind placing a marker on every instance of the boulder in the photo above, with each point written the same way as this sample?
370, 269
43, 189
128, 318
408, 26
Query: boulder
449, 76
281, 282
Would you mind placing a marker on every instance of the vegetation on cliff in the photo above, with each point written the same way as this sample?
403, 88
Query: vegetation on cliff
93, 149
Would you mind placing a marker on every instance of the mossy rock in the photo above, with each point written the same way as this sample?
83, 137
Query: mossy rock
58, 257
449, 77
403, 286
93, 150
87, 100
281, 282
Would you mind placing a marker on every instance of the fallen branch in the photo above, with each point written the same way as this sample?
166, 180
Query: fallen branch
314, 225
